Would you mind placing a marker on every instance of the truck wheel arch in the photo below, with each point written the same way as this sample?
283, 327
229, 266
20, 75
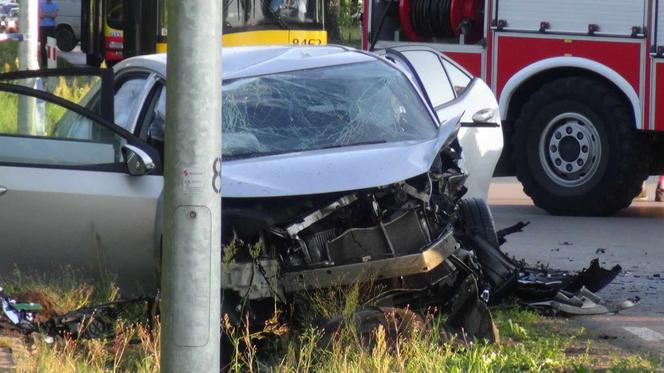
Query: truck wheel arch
539, 71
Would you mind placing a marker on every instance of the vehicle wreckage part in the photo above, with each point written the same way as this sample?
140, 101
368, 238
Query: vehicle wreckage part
468, 319
321, 214
254, 280
542, 284
469, 315
403, 235
516, 228
573, 304
20, 315
348, 274
100, 321
594, 278
498, 270
396, 322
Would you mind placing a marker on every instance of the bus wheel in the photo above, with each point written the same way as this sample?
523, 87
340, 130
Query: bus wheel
92, 60
576, 150
65, 39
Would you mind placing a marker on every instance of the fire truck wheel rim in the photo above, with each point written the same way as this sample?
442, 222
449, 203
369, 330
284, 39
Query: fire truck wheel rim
570, 150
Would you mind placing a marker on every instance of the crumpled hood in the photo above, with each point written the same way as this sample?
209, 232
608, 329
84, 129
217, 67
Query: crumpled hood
327, 171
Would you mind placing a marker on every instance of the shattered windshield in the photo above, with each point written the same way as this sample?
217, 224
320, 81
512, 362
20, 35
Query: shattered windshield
329, 107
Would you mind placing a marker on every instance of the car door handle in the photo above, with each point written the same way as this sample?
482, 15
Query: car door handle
3, 190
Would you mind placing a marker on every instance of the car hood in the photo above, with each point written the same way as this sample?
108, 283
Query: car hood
327, 171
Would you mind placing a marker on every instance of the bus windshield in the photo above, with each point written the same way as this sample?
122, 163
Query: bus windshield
244, 15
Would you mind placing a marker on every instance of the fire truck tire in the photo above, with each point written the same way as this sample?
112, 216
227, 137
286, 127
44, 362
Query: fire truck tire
576, 150
65, 39
476, 215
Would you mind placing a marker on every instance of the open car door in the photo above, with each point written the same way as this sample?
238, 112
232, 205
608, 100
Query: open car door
75, 189
450, 90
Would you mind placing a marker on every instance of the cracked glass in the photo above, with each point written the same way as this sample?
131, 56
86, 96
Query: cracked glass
322, 108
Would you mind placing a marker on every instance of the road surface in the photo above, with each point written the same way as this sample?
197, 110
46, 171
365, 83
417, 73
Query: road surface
634, 238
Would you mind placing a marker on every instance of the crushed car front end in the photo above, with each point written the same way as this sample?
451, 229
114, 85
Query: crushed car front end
341, 174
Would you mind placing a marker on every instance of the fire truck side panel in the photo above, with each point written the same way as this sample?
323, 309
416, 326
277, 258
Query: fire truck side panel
610, 17
516, 52
519, 56
470, 61
657, 113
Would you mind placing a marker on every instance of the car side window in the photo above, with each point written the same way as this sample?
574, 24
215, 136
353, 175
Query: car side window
428, 67
156, 122
459, 79
128, 101
54, 136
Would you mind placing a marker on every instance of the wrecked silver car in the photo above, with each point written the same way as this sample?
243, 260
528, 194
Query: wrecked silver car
339, 167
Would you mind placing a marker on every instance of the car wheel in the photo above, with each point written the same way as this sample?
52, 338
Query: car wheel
65, 39
478, 219
576, 151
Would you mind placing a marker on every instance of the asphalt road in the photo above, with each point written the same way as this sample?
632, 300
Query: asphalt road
634, 239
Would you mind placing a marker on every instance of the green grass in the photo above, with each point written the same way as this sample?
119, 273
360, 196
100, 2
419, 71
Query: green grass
529, 342
72, 89
8, 112
8, 54
351, 35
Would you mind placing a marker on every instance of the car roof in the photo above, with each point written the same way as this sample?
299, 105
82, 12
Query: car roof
240, 62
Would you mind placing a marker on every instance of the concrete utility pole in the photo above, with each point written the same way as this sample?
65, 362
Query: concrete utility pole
29, 27
191, 266
28, 60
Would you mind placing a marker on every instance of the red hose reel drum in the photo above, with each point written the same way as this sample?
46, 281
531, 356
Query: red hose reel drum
462, 14
471, 11
406, 24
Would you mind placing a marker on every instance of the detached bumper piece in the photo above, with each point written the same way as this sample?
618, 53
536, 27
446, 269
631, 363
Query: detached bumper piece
542, 288
563, 292
584, 302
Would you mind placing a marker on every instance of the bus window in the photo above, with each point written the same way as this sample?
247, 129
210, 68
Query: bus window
114, 12
244, 15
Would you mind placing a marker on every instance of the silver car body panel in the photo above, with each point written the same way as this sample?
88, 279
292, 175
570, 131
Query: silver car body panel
325, 171
85, 218
481, 145
242, 62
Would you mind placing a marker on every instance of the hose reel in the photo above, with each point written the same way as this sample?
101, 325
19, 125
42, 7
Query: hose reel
423, 20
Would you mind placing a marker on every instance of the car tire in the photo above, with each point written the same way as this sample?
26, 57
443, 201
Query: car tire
476, 215
576, 150
65, 38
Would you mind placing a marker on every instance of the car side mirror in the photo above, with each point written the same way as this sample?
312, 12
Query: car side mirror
139, 163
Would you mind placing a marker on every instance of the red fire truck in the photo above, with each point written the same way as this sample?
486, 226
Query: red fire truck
580, 85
